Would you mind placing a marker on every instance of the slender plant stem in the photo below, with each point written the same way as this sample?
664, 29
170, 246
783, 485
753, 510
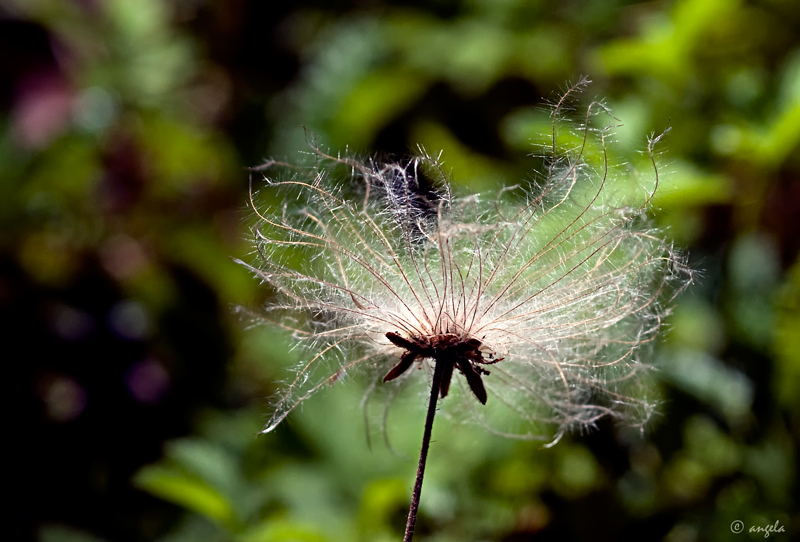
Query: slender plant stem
423, 454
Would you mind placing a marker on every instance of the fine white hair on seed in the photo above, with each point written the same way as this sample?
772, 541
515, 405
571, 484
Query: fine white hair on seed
561, 285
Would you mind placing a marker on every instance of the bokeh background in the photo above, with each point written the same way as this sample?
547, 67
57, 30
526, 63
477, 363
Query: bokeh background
134, 393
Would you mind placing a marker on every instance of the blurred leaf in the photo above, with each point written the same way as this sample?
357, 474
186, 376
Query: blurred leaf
770, 462
753, 286
372, 103
138, 21
771, 143
381, 500
695, 324
469, 53
577, 472
543, 53
518, 477
786, 380
707, 444
312, 494
685, 479
467, 169
655, 53
194, 528
188, 492
284, 530
781, 138
682, 185
59, 533
184, 159
666, 45
200, 249
726, 389
154, 60
64, 179
210, 462
48, 259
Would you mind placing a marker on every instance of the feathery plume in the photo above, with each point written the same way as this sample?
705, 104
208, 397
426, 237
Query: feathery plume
545, 298
549, 294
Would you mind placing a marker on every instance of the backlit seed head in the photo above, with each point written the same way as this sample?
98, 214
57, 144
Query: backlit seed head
546, 296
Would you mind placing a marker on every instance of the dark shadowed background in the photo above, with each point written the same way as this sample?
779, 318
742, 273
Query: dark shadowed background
134, 392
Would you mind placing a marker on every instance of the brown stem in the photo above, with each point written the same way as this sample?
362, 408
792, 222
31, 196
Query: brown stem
423, 454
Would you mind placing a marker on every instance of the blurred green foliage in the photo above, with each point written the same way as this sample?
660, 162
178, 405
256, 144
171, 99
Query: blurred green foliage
124, 150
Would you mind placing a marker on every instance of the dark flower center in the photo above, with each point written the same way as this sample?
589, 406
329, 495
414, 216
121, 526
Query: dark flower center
450, 350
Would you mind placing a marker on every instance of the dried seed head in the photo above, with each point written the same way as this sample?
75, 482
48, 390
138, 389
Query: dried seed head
560, 287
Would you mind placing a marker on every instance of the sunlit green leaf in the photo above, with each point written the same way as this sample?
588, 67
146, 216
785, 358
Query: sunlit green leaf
189, 492
375, 101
